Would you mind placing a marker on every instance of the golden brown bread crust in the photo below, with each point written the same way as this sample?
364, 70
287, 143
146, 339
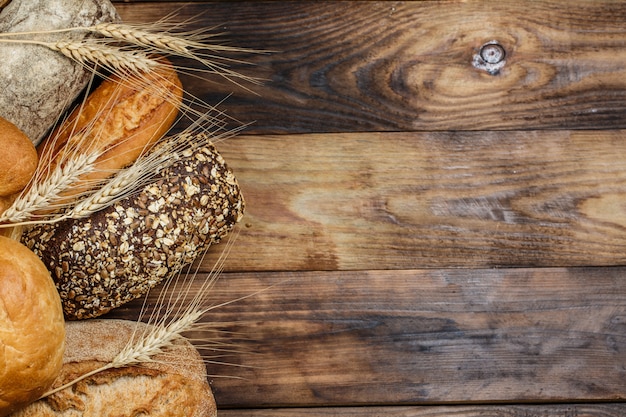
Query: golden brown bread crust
121, 118
18, 159
31, 327
174, 384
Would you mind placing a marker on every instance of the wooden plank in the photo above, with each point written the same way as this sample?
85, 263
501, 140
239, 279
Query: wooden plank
419, 337
388, 66
419, 200
570, 410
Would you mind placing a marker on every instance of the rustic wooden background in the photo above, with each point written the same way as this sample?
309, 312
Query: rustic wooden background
429, 238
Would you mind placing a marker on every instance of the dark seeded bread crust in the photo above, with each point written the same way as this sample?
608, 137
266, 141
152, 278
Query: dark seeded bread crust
119, 253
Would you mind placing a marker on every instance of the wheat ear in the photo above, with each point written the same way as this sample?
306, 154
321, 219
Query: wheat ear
136, 36
139, 352
125, 181
183, 45
126, 47
113, 58
88, 52
42, 194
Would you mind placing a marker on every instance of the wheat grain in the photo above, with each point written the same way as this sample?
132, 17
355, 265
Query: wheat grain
154, 342
113, 58
124, 181
42, 194
136, 36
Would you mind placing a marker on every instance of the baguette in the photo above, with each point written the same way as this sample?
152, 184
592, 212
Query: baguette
118, 253
120, 120
174, 383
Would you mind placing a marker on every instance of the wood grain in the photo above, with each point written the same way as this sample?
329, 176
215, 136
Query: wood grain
426, 238
573, 410
420, 336
418, 200
387, 66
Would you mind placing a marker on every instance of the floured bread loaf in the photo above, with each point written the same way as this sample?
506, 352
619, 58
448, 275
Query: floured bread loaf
173, 384
38, 84
119, 253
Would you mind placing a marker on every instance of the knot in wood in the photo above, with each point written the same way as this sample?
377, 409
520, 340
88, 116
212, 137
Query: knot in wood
492, 53
490, 58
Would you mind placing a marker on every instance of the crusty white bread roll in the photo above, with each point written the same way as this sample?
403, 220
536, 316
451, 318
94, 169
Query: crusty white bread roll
174, 383
31, 327
118, 253
18, 159
120, 120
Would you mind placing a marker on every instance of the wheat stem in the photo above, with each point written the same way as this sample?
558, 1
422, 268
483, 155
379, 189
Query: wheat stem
109, 57
94, 52
139, 37
77, 380
42, 194
142, 350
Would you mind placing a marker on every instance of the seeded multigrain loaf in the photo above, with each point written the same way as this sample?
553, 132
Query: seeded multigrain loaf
119, 253
174, 383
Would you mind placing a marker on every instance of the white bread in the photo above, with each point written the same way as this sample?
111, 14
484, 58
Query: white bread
31, 327
174, 384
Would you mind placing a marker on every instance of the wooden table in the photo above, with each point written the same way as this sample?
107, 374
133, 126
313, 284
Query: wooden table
436, 207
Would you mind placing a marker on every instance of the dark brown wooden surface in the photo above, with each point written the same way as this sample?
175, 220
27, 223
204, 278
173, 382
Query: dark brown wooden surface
388, 66
576, 410
421, 200
423, 336
428, 239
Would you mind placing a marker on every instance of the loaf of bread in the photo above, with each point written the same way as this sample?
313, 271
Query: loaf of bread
31, 327
117, 254
18, 159
119, 120
37, 84
174, 383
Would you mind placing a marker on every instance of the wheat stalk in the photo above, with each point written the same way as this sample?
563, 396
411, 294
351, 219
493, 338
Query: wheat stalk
42, 194
136, 36
124, 181
173, 317
112, 58
126, 47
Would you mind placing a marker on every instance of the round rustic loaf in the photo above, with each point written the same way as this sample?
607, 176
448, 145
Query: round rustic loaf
18, 159
119, 253
174, 383
32, 332
38, 84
